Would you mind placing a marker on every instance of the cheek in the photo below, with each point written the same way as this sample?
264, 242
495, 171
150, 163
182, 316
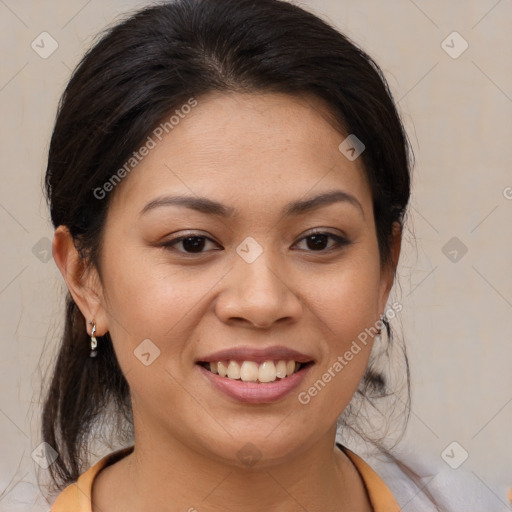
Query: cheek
348, 313
349, 297
148, 299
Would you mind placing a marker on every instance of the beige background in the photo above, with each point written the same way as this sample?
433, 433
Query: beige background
457, 315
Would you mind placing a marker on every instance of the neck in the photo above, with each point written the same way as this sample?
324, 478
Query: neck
165, 475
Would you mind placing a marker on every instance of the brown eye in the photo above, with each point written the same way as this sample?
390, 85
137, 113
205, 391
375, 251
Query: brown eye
195, 243
191, 244
318, 242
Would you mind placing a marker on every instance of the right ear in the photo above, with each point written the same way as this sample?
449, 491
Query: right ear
83, 283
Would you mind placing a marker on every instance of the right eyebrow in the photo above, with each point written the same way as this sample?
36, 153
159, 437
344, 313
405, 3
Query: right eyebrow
211, 207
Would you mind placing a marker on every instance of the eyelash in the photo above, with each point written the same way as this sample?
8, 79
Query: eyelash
340, 242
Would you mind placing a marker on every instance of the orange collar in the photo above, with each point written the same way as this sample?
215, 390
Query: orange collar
76, 497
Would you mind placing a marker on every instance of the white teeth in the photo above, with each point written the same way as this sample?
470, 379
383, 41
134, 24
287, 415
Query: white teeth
222, 369
250, 371
281, 369
233, 370
267, 372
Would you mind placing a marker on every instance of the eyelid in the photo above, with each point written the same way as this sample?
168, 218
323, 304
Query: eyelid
324, 231
169, 244
340, 239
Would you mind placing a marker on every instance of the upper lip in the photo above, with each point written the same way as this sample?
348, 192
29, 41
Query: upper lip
258, 355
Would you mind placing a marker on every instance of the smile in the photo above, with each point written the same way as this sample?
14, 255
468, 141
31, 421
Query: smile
251, 371
228, 378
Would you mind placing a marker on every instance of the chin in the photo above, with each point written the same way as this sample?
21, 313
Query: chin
259, 451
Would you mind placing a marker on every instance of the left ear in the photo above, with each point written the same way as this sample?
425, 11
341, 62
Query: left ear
388, 272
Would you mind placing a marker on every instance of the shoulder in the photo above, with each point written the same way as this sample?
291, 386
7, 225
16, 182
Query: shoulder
380, 495
76, 497
453, 489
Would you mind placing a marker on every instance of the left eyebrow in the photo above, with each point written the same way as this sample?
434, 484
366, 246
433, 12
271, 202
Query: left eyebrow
210, 207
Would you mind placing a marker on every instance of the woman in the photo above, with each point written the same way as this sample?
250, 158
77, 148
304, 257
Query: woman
228, 181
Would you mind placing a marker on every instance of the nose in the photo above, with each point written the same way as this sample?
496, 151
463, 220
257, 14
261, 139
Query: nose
258, 294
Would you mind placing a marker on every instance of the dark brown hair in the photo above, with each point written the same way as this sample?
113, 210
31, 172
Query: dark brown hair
136, 74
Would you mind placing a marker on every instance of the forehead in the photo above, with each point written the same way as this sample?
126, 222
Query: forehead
239, 147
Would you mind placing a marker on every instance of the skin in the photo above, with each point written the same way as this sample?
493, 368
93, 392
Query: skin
254, 153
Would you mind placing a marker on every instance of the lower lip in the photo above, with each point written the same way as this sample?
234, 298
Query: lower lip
254, 392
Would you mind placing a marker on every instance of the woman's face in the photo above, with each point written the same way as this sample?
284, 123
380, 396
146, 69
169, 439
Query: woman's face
252, 277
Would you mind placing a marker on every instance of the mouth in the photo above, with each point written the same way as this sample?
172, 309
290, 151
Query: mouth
252, 371
255, 375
